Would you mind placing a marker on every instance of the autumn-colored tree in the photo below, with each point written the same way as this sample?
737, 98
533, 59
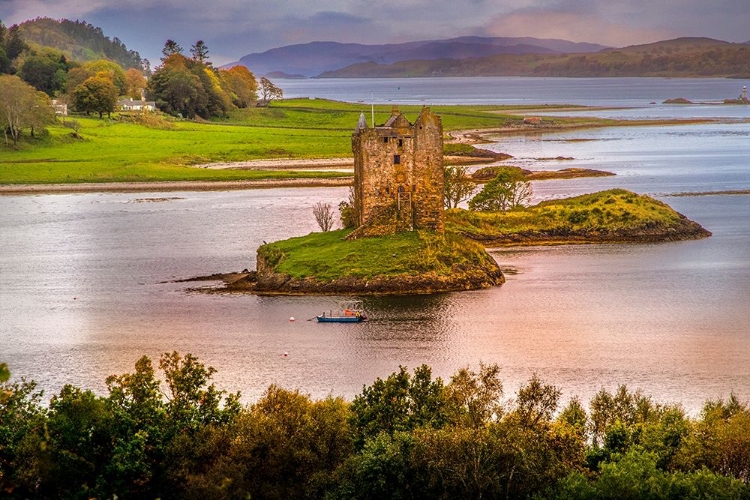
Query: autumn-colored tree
113, 70
135, 83
21, 106
186, 87
75, 77
241, 85
97, 94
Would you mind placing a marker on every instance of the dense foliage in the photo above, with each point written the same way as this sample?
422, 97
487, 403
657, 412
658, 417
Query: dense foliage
191, 87
507, 191
22, 107
457, 186
11, 46
80, 41
407, 436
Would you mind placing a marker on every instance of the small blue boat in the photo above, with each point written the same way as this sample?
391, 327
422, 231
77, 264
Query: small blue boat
351, 312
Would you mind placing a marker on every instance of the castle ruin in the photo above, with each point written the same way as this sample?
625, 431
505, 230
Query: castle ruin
398, 175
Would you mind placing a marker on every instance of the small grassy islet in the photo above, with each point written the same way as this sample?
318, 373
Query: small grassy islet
613, 215
329, 256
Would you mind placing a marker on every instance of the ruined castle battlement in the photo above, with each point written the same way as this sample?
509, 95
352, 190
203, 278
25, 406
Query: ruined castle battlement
398, 174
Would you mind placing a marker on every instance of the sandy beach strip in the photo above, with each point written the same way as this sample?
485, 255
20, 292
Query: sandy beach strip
281, 164
163, 186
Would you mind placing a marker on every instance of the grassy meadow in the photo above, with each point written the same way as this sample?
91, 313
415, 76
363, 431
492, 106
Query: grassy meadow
595, 217
328, 256
162, 149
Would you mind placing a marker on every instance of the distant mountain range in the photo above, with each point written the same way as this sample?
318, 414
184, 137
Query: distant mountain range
682, 57
312, 59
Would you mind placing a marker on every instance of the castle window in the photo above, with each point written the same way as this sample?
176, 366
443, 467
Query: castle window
396, 159
385, 140
401, 143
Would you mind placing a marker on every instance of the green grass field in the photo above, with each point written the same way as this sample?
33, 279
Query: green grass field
605, 211
328, 256
112, 150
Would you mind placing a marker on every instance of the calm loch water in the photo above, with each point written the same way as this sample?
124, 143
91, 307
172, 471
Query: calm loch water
85, 286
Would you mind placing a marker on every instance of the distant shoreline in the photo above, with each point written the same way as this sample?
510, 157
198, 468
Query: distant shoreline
469, 137
166, 186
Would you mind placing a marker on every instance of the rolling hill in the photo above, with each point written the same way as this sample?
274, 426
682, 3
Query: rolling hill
682, 57
79, 40
313, 58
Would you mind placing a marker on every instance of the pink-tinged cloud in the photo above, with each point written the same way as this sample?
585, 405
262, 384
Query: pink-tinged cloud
572, 26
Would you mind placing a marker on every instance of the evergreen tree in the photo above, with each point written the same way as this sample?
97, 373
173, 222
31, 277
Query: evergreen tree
200, 52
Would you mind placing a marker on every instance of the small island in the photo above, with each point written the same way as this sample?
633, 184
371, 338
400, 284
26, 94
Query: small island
327, 263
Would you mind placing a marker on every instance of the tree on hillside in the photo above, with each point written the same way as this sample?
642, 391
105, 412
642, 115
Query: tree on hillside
200, 52
97, 94
458, 186
241, 85
170, 48
178, 92
218, 101
21, 106
42, 113
75, 77
182, 86
113, 70
508, 190
269, 91
135, 83
46, 70
14, 44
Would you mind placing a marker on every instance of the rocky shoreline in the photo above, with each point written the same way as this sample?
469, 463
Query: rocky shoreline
265, 281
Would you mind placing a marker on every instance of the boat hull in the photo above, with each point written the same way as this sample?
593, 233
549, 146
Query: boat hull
339, 319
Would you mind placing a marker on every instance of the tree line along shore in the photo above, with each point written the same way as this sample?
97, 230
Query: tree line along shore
169, 432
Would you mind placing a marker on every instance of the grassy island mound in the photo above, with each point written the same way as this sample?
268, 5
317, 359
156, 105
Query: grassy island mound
614, 216
425, 262
411, 262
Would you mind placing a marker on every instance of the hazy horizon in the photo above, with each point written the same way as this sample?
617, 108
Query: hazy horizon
232, 29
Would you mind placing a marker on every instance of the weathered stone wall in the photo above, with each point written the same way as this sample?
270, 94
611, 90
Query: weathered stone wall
398, 169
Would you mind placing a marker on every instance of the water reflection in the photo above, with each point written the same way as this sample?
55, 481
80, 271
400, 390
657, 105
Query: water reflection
85, 288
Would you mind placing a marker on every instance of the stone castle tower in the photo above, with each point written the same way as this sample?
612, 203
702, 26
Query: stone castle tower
398, 175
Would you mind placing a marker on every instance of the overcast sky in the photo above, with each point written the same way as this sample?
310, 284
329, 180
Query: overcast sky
233, 28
